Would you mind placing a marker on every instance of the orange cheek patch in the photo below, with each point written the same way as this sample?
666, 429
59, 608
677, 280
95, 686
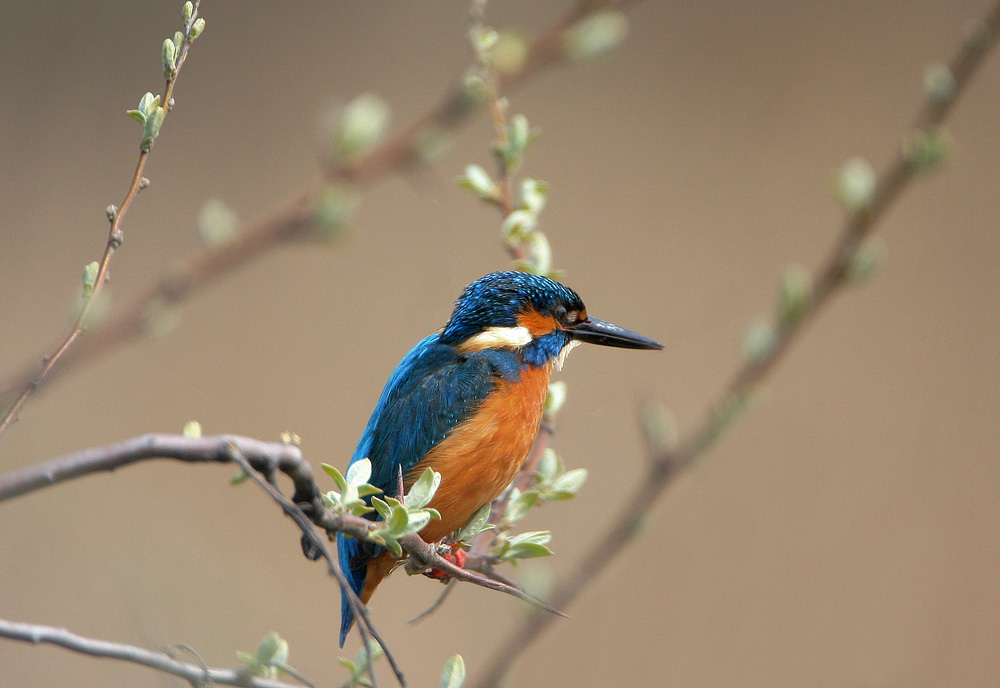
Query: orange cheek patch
536, 323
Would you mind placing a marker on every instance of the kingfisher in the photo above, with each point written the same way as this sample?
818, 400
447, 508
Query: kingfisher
467, 402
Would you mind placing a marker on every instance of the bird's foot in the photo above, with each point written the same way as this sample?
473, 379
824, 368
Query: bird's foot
451, 552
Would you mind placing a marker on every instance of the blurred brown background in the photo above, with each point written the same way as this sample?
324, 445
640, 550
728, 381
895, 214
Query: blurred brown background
844, 534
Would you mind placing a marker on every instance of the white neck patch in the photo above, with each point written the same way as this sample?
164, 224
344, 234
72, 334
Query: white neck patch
496, 337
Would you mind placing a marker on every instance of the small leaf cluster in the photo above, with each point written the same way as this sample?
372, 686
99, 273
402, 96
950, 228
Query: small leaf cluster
360, 668
150, 114
269, 660
399, 518
552, 482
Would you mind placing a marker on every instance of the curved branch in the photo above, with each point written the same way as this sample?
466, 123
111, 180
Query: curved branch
194, 674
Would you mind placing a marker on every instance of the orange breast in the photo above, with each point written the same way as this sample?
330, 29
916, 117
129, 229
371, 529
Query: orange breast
483, 454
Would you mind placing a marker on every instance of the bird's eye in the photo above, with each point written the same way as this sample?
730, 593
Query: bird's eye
560, 313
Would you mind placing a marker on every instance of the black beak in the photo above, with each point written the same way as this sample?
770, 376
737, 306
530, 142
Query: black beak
604, 333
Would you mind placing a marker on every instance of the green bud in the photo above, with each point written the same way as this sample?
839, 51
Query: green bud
925, 149
187, 11
178, 40
272, 649
534, 193
476, 180
197, 28
474, 89
939, 82
453, 673
483, 38
866, 260
759, 340
596, 35
509, 52
217, 223
855, 184
154, 119
333, 210
89, 278
362, 124
794, 293
160, 318
169, 58
518, 226
539, 253
192, 429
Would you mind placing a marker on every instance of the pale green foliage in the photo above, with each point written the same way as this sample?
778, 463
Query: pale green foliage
192, 429
150, 114
939, 82
479, 182
759, 340
596, 35
89, 278
925, 149
361, 126
453, 673
855, 183
399, 518
217, 223
269, 660
866, 259
360, 667
794, 293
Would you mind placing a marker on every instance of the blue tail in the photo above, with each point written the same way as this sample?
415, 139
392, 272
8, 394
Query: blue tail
347, 548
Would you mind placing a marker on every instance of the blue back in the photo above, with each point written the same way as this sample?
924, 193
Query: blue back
432, 390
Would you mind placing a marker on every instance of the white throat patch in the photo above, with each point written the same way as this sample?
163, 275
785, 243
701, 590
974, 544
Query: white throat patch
561, 358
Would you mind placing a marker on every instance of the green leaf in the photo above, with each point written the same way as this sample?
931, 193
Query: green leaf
477, 524
338, 478
476, 180
154, 119
423, 490
417, 521
137, 115
567, 485
538, 537
453, 673
381, 507
518, 225
359, 472
519, 505
397, 522
366, 490
147, 102
528, 550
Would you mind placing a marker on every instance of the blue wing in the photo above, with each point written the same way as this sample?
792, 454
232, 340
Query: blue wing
432, 390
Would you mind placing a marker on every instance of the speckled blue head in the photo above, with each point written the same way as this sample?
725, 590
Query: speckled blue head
498, 298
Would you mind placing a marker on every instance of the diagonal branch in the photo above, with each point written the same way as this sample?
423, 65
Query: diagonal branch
666, 463
115, 236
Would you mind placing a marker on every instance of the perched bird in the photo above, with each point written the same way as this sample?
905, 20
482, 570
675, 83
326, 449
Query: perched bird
467, 402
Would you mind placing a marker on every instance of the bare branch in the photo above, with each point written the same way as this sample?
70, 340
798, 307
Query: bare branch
194, 674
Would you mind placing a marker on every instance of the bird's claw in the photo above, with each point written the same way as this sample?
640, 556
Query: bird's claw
453, 553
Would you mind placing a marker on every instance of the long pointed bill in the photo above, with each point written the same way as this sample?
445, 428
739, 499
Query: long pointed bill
595, 331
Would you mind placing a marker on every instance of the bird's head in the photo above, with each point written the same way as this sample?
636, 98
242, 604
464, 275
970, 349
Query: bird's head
535, 315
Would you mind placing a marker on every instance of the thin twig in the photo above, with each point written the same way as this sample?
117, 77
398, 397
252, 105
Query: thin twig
293, 219
833, 276
115, 238
195, 674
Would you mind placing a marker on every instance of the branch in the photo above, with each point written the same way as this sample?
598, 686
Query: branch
667, 463
115, 216
293, 220
194, 674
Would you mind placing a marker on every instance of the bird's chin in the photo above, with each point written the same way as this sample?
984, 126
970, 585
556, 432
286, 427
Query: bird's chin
561, 358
